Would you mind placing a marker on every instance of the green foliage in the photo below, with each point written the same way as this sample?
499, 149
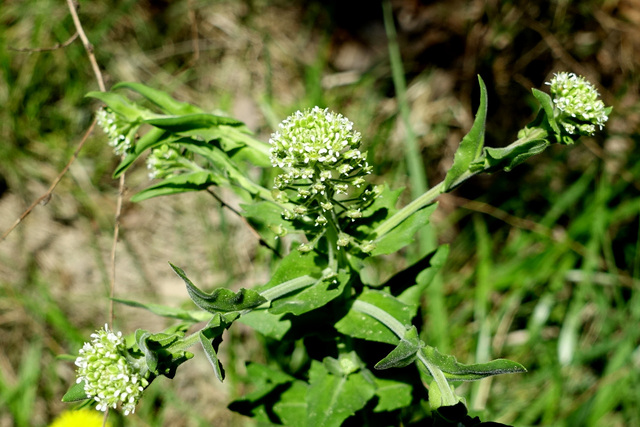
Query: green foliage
315, 293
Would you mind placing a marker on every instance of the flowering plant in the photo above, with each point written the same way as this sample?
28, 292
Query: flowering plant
362, 348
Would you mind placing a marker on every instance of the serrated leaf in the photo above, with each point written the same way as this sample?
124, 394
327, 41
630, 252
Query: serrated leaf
332, 399
291, 408
471, 145
162, 99
405, 353
189, 122
360, 325
221, 300
76, 392
212, 357
403, 234
170, 312
268, 324
456, 371
264, 380
311, 297
194, 181
392, 395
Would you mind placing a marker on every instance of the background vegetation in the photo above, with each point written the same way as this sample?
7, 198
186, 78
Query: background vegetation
545, 260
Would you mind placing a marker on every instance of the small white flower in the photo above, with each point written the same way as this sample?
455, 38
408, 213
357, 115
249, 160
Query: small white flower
107, 374
578, 105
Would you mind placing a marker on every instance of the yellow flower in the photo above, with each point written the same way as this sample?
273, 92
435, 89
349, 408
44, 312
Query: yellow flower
80, 418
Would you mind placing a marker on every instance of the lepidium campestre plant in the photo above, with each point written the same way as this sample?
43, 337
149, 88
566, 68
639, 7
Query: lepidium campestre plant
360, 357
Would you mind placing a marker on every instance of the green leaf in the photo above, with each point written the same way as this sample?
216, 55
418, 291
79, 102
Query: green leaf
311, 297
268, 324
75, 393
413, 294
510, 156
331, 399
392, 395
122, 106
360, 325
295, 265
153, 138
456, 371
212, 357
220, 300
192, 316
405, 353
402, 235
547, 106
264, 380
471, 145
191, 121
159, 98
193, 181
291, 408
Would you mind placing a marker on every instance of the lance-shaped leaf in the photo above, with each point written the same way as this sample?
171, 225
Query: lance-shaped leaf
221, 300
405, 353
510, 156
162, 99
191, 122
192, 316
456, 371
194, 181
121, 105
471, 145
76, 392
212, 357
547, 106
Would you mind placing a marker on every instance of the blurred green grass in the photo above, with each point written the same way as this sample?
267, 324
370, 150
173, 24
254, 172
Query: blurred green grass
545, 261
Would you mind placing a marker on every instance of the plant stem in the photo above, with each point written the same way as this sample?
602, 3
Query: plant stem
448, 396
288, 287
429, 196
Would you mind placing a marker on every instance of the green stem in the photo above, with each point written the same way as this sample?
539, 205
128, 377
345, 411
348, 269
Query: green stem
448, 396
288, 287
432, 194
381, 316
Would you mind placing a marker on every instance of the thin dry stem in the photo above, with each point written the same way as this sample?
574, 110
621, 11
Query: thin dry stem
87, 45
253, 230
46, 49
44, 199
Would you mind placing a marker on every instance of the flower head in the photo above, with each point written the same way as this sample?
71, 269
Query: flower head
323, 171
79, 418
579, 108
109, 377
120, 131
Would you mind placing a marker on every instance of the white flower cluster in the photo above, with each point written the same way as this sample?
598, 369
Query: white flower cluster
109, 378
319, 151
119, 131
577, 101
